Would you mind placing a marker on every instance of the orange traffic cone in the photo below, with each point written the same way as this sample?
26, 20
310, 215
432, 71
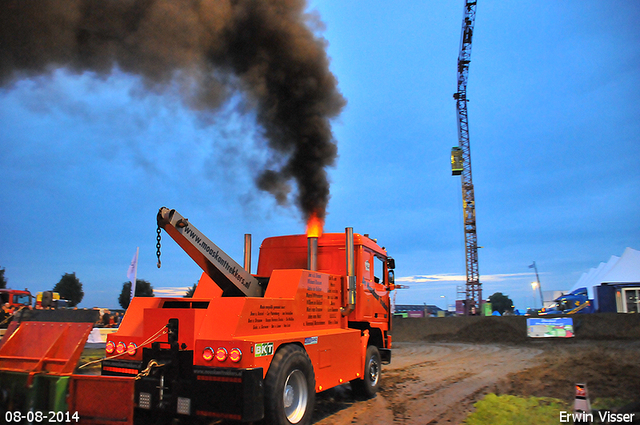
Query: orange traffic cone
582, 406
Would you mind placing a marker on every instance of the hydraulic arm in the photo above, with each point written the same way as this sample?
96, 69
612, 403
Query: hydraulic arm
220, 267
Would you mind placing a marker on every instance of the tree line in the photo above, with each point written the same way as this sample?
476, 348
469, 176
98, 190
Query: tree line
70, 288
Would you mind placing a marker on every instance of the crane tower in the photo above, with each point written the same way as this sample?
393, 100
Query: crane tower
461, 163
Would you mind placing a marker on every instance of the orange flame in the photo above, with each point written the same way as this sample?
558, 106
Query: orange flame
314, 226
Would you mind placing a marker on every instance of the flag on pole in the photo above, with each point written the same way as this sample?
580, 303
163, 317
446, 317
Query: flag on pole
532, 265
132, 273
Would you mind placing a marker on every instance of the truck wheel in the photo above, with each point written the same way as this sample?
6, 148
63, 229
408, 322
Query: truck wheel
290, 388
368, 386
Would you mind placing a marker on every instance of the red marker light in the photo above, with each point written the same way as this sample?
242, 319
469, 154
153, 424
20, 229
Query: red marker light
110, 347
131, 349
235, 355
221, 354
207, 354
121, 348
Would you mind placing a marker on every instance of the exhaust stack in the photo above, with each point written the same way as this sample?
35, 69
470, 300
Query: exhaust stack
247, 252
312, 253
351, 273
314, 231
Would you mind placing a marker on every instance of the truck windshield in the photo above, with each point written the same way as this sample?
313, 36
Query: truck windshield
22, 299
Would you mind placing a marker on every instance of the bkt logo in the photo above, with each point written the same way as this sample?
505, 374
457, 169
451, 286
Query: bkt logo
264, 349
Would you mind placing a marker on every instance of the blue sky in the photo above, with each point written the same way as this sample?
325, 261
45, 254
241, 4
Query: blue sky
86, 162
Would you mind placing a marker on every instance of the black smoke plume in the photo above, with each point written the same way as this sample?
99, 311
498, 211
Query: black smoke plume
209, 49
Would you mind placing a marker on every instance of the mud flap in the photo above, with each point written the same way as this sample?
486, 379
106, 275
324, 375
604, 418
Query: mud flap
230, 394
385, 355
173, 387
220, 393
104, 400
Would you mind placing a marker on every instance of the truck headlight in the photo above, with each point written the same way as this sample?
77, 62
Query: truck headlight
144, 401
183, 406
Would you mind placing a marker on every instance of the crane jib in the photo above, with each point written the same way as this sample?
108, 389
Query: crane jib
462, 154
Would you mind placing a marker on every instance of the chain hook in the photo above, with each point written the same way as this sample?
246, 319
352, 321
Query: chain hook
152, 363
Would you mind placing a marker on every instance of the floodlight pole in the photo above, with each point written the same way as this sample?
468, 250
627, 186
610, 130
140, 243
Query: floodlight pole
538, 281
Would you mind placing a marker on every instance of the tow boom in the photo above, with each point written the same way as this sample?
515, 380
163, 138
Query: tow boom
221, 268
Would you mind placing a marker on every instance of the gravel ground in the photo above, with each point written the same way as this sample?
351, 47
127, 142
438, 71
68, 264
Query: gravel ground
438, 383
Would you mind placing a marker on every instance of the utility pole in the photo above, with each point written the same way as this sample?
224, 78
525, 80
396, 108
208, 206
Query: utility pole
533, 266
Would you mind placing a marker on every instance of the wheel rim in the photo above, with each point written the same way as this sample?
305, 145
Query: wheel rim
295, 396
374, 371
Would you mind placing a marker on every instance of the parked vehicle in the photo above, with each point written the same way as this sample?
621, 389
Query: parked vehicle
16, 298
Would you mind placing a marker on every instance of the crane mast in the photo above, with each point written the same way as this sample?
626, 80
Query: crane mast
463, 163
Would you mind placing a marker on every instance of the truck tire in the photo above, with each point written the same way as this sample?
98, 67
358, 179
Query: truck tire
368, 386
290, 388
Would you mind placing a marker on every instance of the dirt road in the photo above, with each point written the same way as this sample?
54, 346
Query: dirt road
434, 382
438, 383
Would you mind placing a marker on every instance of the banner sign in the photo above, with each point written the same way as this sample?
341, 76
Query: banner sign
558, 327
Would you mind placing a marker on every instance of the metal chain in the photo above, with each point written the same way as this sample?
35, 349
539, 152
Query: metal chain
158, 238
152, 363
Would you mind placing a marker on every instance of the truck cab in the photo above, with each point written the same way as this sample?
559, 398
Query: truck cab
574, 302
16, 298
373, 276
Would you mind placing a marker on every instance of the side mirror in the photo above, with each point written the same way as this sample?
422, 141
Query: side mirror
391, 263
391, 277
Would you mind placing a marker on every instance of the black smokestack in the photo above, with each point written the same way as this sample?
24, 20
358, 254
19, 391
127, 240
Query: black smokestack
209, 50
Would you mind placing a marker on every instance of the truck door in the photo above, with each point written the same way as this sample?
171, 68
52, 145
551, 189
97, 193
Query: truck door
374, 286
381, 295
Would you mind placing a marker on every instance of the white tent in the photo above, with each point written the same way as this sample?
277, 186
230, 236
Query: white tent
623, 269
626, 270
593, 278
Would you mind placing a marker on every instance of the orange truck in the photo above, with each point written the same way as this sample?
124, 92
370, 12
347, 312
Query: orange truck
16, 298
250, 347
